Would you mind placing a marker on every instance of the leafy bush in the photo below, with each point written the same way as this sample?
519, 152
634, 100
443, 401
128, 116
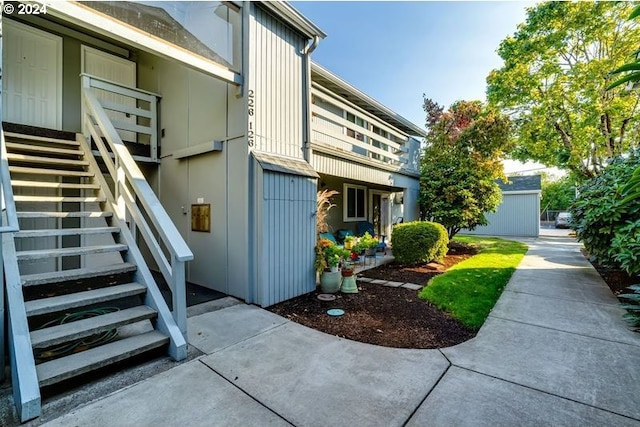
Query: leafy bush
419, 241
606, 219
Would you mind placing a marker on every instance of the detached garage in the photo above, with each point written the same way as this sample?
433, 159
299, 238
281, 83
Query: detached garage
519, 212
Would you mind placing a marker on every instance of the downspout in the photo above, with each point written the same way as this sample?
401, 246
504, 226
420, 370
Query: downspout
306, 58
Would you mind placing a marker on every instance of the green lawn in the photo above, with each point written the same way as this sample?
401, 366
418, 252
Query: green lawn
470, 289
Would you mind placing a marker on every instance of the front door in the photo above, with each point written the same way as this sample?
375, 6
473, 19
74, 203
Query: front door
379, 212
118, 70
32, 78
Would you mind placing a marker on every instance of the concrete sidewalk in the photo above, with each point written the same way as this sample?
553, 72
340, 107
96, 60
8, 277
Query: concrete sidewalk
554, 351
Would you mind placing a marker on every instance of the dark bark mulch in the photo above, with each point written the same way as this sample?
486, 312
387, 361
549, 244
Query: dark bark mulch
616, 279
386, 316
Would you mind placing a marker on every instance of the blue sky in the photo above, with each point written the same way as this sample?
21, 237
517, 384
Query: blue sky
396, 51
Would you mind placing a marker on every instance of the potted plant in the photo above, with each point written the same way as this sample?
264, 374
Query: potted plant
349, 242
348, 279
328, 257
369, 244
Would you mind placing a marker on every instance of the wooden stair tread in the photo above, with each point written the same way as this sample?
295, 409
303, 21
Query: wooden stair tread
14, 146
41, 171
76, 274
76, 364
13, 157
82, 299
65, 232
43, 338
50, 184
79, 214
60, 252
46, 199
26, 137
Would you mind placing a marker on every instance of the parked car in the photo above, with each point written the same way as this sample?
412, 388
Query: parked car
562, 220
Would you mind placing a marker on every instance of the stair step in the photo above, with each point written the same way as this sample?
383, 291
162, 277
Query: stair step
67, 367
13, 157
50, 184
82, 299
76, 274
24, 137
13, 146
40, 171
60, 252
79, 214
45, 199
66, 232
43, 338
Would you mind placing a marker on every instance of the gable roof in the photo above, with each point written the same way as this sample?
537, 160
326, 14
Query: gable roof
522, 183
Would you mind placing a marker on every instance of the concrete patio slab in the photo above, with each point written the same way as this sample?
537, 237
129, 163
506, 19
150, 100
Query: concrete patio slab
314, 379
492, 402
378, 282
412, 286
591, 319
214, 331
592, 371
188, 395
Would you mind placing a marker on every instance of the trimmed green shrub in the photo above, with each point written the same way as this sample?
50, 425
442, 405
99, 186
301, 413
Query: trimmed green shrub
419, 241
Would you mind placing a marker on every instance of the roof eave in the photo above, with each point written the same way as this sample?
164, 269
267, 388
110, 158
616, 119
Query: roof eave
294, 18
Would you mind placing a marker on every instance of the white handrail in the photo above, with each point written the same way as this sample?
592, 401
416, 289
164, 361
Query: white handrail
26, 390
131, 187
7, 192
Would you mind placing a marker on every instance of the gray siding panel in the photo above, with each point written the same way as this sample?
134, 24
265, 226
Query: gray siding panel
288, 237
359, 172
517, 215
277, 82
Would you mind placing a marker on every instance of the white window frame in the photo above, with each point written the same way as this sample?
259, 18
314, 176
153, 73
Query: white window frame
346, 218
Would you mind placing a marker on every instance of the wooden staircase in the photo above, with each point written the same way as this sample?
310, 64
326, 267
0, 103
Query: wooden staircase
87, 297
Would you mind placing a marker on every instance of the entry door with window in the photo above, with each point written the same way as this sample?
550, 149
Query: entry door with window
380, 212
32, 78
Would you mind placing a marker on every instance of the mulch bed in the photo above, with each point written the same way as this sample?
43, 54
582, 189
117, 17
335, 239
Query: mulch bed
396, 317
386, 316
616, 279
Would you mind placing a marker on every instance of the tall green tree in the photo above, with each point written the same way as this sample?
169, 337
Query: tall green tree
461, 163
557, 194
554, 85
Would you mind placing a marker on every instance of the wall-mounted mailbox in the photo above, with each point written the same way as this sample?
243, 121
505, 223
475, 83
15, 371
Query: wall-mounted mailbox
201, 217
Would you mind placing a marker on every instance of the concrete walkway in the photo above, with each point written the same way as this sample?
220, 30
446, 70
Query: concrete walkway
554, 351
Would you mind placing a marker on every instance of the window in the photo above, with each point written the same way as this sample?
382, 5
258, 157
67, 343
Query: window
354, 203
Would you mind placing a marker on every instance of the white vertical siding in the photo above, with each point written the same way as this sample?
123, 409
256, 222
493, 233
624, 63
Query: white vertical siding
517, 215
288, 237
277, 84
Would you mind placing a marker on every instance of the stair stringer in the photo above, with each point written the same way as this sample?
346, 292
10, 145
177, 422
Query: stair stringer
153, 298
24, 379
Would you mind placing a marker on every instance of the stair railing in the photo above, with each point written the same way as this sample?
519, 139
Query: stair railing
26, 390
136, 201
133, 110
8, 203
